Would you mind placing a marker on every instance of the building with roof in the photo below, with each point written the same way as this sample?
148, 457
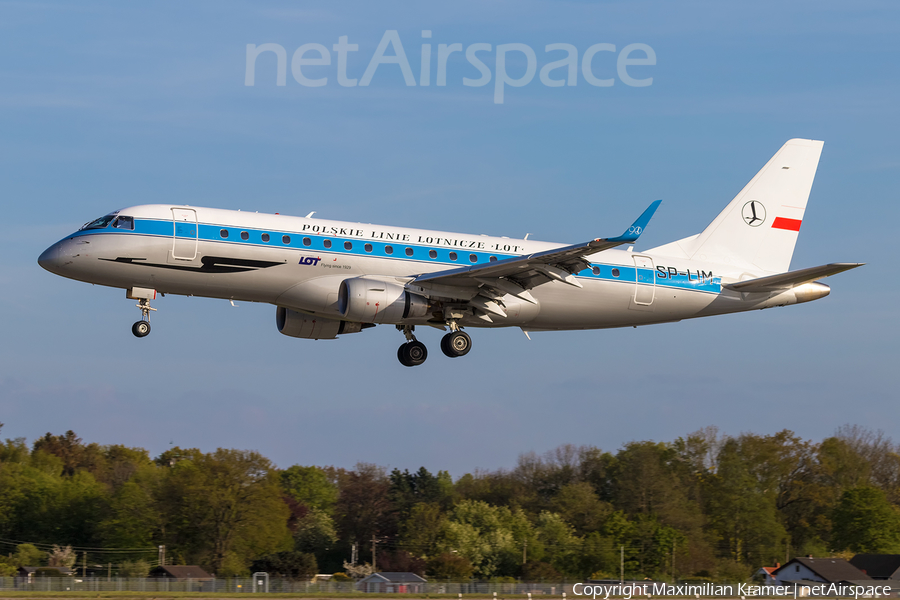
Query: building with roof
878, 566
32, 572
821, 570
392, 583
181, 573
764, 575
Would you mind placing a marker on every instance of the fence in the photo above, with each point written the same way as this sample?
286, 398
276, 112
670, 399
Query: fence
258, 585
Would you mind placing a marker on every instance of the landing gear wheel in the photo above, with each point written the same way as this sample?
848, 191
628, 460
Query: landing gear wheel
412, 354
456, 344
140, 328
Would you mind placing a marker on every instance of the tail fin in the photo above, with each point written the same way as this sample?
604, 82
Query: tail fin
759, 227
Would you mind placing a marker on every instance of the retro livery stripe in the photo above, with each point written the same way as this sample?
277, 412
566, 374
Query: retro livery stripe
693, 281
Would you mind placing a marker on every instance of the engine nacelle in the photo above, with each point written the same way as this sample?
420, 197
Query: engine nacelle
300, 325
374, 301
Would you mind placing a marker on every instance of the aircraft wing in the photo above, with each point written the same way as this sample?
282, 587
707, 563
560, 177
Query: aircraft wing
519, 274
790, 279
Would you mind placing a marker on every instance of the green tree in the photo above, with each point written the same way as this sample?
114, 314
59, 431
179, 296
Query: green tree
310, 486
27, 555
364, 508
69, 448
132, 519
492, 538
420, 532
315, 533
742, 500
450, 566
223, 508
579, 505
864, 521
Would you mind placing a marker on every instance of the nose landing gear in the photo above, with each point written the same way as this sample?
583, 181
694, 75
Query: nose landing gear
143, 296
140, 328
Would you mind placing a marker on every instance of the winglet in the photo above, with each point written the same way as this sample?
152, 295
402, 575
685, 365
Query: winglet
634, 232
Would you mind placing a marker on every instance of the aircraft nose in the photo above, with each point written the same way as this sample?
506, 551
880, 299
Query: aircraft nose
50, 258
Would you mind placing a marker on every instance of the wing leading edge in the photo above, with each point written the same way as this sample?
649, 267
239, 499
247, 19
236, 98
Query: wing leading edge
519, 274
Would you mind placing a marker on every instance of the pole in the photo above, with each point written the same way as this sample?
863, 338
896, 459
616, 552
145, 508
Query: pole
84, 565
108, 572
373, 554
621, 564
525, 552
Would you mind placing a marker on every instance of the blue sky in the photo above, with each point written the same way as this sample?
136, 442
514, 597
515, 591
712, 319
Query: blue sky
105, 105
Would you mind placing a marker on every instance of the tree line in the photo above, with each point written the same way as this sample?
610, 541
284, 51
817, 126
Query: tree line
705, 505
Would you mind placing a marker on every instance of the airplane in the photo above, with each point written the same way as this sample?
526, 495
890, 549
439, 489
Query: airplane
331, 278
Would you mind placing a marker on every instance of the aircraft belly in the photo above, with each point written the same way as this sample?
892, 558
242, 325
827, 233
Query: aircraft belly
602, 304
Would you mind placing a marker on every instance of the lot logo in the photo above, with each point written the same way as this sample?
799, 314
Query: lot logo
310, 260
560, 67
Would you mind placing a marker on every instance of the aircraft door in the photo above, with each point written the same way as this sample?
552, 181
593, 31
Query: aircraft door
644, 280
184, 233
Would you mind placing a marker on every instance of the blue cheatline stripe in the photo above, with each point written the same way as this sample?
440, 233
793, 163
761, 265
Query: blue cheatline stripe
420, 253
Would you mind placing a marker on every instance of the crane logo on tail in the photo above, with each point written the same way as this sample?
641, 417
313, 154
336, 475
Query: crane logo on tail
754, 213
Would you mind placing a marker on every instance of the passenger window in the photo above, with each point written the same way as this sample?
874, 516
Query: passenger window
286, 239
348, 245
265, 237
223, 233
473, 258
368, 247
453, 256
595, 270
245, 236
615, 272
493, 259
432, 254
124, 223
307, 241
409, 251
388, 249
327, 243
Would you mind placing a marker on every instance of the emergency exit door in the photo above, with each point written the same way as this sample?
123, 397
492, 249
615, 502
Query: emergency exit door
644, 281
184, 234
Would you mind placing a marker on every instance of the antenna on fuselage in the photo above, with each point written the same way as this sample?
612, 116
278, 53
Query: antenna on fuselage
526, 236
309, 216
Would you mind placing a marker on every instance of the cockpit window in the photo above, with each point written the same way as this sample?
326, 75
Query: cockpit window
124, 223
100, 223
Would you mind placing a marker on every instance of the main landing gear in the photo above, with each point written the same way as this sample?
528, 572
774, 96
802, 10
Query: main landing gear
413, 353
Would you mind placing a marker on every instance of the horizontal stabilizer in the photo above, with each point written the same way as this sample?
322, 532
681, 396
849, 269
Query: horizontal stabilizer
790, 279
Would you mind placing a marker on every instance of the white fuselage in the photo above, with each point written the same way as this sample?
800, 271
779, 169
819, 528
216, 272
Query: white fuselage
299, 263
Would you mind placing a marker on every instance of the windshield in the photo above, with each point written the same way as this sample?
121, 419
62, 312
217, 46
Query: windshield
100, 223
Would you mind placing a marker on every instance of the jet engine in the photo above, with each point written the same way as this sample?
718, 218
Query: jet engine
374, 301
300, 325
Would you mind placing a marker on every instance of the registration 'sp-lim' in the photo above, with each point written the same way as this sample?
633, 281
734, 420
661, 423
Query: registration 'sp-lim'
329, 278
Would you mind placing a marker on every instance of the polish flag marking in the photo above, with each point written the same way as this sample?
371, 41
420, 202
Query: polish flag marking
787, 224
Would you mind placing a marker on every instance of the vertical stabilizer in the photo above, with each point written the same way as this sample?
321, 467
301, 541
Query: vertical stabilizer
759, 228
